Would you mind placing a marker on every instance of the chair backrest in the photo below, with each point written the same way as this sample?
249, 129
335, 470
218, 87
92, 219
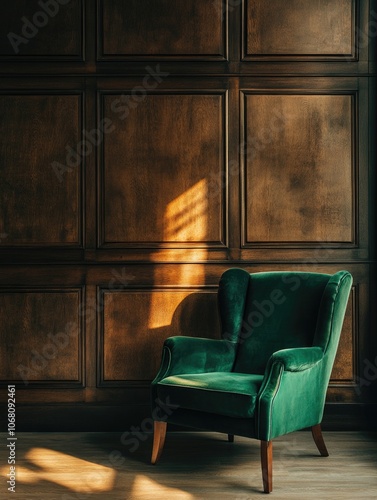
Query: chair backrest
268, 311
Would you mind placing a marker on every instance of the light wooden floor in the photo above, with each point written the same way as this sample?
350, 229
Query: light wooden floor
91, 466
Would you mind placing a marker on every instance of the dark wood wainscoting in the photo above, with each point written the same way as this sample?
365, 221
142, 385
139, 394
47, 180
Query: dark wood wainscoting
145, 147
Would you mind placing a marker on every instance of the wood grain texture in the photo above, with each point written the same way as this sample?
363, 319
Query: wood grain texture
194, 465
189, 29
31, 31
41, 336
322, 29
319, 441
168, 196
299, 169
37, 206
267, 465
345, 365
136, 323
159, 436
163, 170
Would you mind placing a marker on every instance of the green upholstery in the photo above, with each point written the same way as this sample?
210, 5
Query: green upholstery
268, 374
205, 392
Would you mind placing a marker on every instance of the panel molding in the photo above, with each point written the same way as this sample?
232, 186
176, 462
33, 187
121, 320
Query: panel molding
36, 58
218, 190
60, 171
220, 11
78, 58
352, 56
189, 296
349, 382
354, 243
56, 344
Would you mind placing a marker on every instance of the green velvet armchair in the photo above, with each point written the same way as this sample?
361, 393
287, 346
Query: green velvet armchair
268, 374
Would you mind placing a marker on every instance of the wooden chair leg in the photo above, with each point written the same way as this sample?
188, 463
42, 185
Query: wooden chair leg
266, 462
159, 434
231, 438
318, 439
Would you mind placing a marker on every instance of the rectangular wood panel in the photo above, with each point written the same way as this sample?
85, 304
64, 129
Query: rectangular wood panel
299, 169
300, 29
163, 165
136, 323
181, 29
41, 29
41, 336
40, 175
188, 176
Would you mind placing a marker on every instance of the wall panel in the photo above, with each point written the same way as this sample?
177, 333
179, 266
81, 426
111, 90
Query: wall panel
210, 134
51, 31
299, 169
160, 162
136, 323
300, 29
162, 29
41, 336
40, 192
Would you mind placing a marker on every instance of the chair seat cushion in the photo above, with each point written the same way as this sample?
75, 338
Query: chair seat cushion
229, 394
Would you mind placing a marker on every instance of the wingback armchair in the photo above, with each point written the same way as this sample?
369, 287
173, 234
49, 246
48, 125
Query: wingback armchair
268, 374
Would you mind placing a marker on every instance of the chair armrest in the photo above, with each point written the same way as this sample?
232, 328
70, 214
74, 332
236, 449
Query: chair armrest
195, 355
297, 359
293, 392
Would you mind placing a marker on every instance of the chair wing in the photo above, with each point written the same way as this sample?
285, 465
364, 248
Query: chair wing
232, 294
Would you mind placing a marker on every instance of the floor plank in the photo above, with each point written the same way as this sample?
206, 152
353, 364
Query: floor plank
91, 466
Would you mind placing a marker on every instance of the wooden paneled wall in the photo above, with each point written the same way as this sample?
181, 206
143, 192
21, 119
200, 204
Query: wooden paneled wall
148, 145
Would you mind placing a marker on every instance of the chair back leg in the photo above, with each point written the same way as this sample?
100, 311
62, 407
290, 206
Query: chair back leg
318, 439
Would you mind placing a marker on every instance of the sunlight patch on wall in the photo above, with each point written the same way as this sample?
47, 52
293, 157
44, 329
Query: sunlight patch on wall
186, 216
163, 307
186, 221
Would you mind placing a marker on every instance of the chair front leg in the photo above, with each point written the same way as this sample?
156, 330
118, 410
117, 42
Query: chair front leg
266, 462
318, 439
159, 434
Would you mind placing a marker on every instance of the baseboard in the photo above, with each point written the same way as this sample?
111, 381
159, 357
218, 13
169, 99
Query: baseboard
350, 417
121, 418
